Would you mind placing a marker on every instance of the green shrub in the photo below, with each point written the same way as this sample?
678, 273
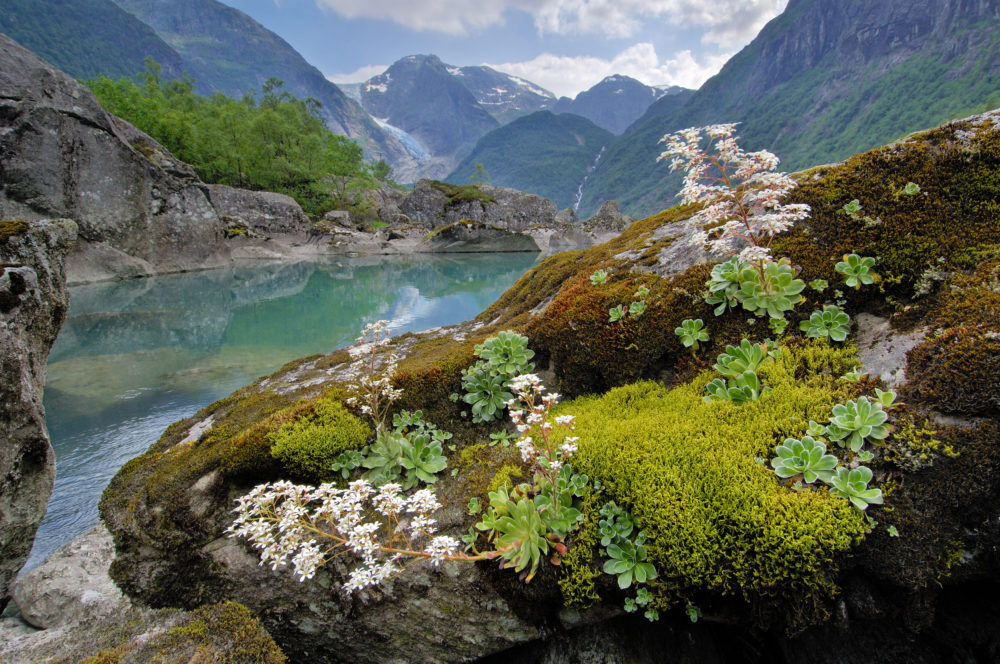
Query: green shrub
308, 447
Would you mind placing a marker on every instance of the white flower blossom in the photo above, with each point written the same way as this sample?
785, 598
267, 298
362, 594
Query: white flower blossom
440, 548
740, 193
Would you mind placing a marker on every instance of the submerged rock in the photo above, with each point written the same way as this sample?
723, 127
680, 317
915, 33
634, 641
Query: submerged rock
33, 304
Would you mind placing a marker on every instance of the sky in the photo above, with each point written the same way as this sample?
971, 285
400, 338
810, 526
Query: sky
565, 46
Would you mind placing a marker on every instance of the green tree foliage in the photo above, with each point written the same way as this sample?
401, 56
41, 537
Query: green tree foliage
273, 142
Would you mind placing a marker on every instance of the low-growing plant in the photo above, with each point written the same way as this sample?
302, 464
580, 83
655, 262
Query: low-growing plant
627, 561
309, 447
743, 388
345, 462
692, 332
486, 392
775, 292
599, 278
806, 457
501, 358
832, 322
856, 270
853, 422
852, 484
747, 356
517, 531
616, 313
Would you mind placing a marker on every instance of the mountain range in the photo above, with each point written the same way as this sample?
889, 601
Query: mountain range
823, 80
567, 147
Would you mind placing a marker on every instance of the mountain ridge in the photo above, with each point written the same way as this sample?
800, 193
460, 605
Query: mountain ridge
822, 81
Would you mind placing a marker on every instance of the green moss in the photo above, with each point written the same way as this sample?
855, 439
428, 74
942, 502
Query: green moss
716, 520
589, 354
224, 633
579, 571
915, 442
10, 228
308, 446
938, 502
508, 475
957, 371
959, 177
461, 193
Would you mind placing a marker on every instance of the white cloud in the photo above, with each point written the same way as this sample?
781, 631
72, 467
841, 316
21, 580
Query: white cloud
727, 21
567, 76
359, 75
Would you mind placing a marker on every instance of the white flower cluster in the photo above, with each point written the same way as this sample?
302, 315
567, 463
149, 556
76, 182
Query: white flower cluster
529, 411
372, 371
741, 195
286, 522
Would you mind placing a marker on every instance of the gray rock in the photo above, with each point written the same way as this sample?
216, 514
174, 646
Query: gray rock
473, 236
339, 217
882, 350
567, 216
33, 304
71, 585
65, 156
608, 219
261, 212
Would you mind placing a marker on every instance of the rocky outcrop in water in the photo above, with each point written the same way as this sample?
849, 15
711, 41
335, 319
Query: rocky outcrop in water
33, 304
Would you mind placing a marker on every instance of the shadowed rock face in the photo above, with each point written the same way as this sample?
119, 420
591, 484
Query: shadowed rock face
33, 304
139, 210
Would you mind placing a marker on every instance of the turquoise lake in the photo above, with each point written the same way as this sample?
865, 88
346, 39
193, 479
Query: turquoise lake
135, 356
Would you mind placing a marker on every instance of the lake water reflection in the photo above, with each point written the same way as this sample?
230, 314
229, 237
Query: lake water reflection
135, 356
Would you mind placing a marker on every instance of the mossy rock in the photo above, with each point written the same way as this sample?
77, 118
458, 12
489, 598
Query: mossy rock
308, 446
461, 193
957, 167
223, 633
11, 228
718, 521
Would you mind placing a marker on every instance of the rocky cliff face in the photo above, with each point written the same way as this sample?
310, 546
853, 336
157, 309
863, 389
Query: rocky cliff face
139, 210
822, 81
33, 304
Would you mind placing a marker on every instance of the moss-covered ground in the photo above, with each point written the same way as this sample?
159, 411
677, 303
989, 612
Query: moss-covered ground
722, 527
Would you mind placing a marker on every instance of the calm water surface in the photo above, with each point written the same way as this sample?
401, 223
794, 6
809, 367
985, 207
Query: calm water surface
135, 356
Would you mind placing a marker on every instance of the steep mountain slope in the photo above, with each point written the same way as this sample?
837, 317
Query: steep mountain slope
226, 50
506, 97
85, 38
419, 95
614, 103
542, 153
823, 80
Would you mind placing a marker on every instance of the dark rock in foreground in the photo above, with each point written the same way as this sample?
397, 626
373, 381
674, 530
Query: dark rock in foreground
33, 304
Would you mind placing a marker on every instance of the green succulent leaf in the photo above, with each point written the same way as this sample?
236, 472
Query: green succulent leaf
778, 291
832, 322
521, 536
740, 359
852, 484
616, 314
856, 270
855, 421
691, 333
599, 278
806, 457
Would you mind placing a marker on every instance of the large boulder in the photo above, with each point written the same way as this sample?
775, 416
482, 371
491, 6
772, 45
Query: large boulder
259, 212
33, 304
473, 236
138, 209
